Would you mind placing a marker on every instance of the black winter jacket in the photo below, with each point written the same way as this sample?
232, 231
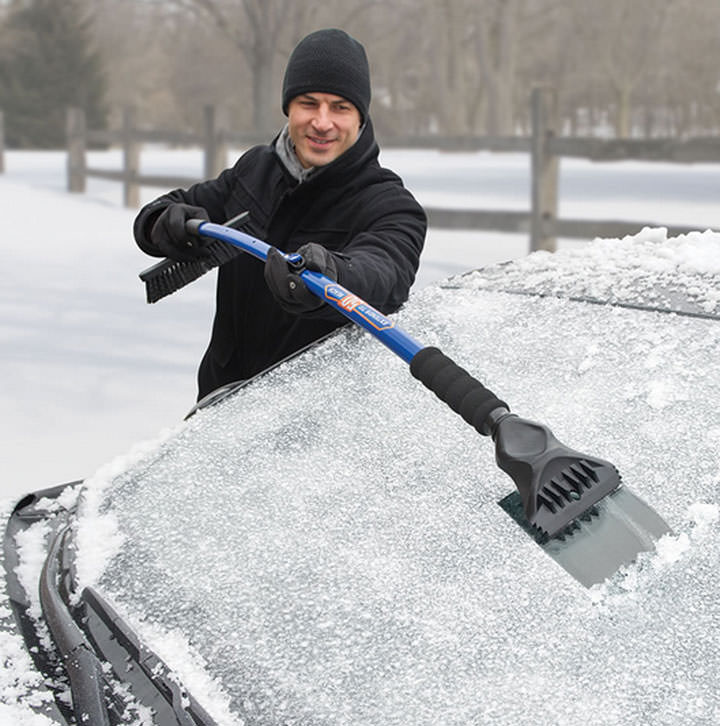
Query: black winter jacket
353, 207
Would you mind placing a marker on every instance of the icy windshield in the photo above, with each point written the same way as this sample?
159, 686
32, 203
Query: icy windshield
328, 543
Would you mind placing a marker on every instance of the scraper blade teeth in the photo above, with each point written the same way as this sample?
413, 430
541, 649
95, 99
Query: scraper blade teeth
589, 514
570, 529
573, 493
541, 536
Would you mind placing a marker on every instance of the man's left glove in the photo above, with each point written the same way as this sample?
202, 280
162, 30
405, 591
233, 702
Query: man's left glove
286, 284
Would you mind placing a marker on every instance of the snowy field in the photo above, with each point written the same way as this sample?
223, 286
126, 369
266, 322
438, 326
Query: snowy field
88, 368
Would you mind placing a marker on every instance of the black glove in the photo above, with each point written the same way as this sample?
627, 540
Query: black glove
286, 284
169, 236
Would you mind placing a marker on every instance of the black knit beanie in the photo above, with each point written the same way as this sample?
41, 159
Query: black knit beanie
328, 61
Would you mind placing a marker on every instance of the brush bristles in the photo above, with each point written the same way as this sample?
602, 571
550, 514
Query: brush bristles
168, 276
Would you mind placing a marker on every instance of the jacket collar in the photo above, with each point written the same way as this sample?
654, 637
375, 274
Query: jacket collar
364, 150
285, 149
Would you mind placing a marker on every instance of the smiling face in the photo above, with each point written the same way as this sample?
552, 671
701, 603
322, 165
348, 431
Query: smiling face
322, 126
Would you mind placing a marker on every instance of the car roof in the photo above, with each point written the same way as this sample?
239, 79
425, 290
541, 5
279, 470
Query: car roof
645, 271
334, 536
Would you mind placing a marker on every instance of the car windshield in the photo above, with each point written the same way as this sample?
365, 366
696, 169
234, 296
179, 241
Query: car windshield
329, 546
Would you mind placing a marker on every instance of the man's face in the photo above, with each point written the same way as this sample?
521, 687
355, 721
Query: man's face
322, 126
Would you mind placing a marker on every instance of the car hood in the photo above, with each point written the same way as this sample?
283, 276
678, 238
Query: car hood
327, 542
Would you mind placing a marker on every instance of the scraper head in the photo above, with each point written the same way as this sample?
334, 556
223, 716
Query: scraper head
557, 485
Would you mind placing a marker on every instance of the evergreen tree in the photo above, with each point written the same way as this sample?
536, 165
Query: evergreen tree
47, 64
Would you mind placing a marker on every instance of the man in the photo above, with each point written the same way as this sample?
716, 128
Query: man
317, 189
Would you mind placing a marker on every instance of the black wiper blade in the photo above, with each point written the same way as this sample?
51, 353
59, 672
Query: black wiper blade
87, 637
151, 681
45, 658
82, 666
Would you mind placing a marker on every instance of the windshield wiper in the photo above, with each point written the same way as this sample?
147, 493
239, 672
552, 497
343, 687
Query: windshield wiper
152, 682
83, 669
89, 636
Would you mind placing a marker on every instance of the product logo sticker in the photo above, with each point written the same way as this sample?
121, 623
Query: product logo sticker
353, 304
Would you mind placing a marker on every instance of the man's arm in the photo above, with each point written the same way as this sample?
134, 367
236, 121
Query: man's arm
380, 262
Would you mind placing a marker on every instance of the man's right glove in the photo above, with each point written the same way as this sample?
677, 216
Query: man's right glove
169, 236
286, 284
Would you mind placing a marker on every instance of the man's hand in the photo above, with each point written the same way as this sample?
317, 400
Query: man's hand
286, 284
169, 236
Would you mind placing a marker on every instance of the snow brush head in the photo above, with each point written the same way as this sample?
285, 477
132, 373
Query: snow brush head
557, 485
168, 276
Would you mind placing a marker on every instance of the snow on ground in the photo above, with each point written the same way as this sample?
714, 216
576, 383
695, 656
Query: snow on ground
89, 369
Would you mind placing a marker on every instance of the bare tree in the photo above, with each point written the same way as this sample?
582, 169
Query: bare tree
686, 96
488, 48
255, 27
496, 45
622, 39
445, 66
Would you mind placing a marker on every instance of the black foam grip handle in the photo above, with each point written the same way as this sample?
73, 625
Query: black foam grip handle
456, 387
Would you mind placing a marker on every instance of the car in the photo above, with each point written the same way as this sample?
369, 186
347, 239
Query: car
323, 544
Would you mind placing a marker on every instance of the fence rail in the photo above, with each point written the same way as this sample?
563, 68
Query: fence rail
687, 151
540, 222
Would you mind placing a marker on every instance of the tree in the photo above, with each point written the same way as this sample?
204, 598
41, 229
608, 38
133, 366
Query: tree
622, 39
438, 66
264, 32
255, 27
47, 64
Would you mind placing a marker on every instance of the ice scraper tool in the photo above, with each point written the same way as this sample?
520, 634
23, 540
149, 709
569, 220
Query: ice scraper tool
572, 504
167, 276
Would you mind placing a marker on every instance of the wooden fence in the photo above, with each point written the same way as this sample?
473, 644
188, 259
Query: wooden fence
214, 139
544, 145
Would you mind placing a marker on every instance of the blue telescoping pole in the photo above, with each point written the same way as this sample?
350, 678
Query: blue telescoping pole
344, 301
557, 485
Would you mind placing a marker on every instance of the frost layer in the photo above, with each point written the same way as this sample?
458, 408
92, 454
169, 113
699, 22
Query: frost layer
329, 539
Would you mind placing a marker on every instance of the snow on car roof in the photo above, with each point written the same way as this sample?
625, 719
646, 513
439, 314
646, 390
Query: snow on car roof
328, 540
647, 269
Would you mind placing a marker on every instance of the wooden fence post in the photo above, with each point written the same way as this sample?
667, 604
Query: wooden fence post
216, 147
131, 159
75, 130
544, 168
2, 143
